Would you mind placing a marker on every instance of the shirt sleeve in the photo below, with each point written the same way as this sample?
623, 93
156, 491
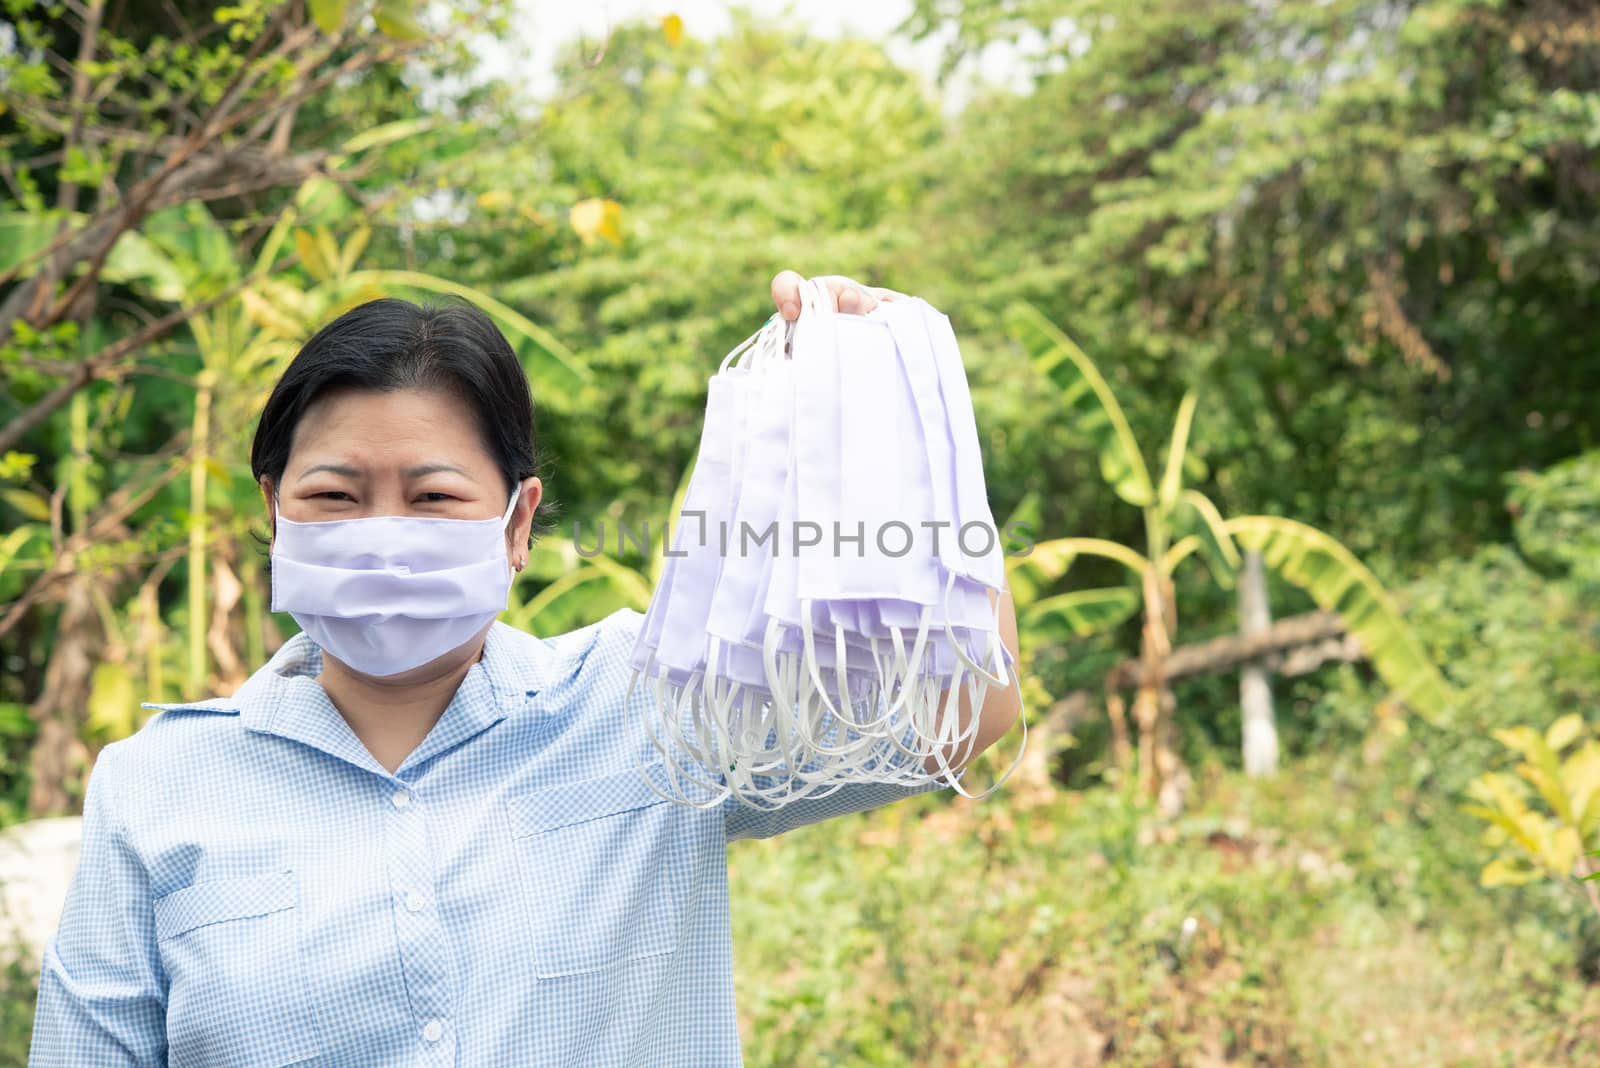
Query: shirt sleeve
102, 995
744, 821
748, 821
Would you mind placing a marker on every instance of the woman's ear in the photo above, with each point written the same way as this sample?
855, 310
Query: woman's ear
530, 492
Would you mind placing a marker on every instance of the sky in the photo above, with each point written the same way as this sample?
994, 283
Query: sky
543, 26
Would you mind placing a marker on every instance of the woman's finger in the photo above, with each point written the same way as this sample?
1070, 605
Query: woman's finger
849, 296
786, 294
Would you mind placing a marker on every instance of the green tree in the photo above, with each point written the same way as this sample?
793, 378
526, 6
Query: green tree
726, 161
1180, 522
1370, 228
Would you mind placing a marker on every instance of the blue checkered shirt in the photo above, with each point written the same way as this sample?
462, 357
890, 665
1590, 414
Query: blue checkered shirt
256, 889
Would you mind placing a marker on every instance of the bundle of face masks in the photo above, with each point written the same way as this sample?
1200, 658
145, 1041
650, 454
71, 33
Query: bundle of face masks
829, 594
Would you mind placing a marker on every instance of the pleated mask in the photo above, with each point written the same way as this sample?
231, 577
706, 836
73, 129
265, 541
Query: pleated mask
385, 594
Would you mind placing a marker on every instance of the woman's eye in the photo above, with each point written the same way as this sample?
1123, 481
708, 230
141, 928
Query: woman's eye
334, 495
434, 498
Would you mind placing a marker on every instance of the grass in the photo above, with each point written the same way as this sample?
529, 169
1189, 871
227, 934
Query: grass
1069, 928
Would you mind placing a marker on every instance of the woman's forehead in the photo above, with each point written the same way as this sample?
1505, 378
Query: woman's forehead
406, 429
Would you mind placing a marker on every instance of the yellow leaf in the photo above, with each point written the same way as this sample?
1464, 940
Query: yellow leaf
29, 504
672, 28
1562, 851
328, 248
394, 19
597, 218
1505, 808
268, 317
1580, 775
327, 14
311, 256
1564, 731
354, 248
1502, 871
1522, 739
494, 199
1542, 768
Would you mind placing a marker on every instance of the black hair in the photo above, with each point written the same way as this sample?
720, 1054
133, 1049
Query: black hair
389, 344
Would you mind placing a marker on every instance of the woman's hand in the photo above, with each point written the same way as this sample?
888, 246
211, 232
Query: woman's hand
850, 296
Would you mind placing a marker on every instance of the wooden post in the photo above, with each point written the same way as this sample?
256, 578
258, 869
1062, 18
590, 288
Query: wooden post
1255, 681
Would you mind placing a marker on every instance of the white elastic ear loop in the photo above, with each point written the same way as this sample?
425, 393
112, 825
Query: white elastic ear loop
800, 776
775, 341
997, 679
816, 298
715, 709
742, 778
950, 707
749, 346
904, 664
783, 682
668, 701
1022, 748
986, 678
814, 671
977, 718
678, 795
726, 707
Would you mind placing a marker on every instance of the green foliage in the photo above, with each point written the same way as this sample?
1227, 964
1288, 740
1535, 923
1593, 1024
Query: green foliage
1086, 612
1522, 651
1303, 555
1534, 844
1369, 229
1047, 927
1558, 524
197, 306
1091, 407
1340, 583
574, 588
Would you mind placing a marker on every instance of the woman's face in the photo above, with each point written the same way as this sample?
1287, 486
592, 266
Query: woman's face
358, 453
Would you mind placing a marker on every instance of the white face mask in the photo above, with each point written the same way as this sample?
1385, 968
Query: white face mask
388, 593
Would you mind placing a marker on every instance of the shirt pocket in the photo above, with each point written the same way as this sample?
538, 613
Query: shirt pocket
237, 990
609, 870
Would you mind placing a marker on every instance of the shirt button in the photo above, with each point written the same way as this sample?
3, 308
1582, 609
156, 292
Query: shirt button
414, 902
433, 1031
400, 798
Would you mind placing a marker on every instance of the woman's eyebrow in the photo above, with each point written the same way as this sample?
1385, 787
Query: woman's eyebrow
410, 472
432, 469
337, 469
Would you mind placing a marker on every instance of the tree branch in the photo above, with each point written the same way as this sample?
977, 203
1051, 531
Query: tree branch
1231, 650
1292, 646
102, 363
117, 507
176, 180
67, 195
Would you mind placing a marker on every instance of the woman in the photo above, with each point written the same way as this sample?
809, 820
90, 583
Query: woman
422, 840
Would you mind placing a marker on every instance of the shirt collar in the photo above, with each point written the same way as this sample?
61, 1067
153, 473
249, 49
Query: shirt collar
283, 697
